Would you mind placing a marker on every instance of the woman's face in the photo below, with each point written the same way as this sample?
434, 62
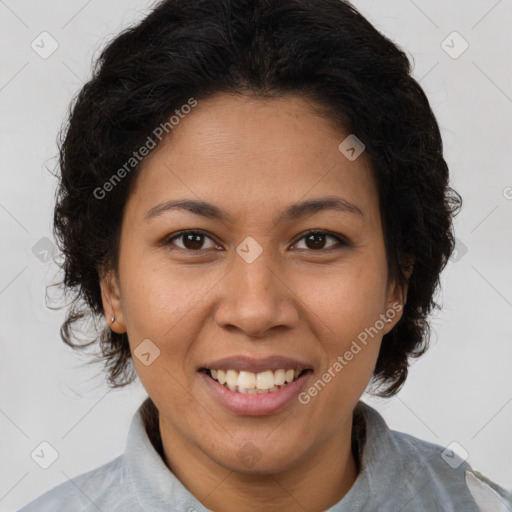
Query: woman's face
253, 291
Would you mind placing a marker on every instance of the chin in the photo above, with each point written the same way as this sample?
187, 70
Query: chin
253, 458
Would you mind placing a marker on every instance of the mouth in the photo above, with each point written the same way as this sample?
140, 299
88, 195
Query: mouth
268, 381
253, 387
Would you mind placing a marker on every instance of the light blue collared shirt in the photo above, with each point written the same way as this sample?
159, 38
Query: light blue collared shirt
398, 473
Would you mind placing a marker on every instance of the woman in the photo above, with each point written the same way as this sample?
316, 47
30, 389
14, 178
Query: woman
253, 196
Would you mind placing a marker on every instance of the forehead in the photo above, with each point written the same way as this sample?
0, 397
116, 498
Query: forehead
252, 155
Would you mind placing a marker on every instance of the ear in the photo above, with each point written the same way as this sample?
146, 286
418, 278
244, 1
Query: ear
397, 298
111, 299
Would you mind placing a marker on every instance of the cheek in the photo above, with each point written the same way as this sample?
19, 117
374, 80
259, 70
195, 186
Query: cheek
166, 304
344, 310
162, 306
346, 301
156, 294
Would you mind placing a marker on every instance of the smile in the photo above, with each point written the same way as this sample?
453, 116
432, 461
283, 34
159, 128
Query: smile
254, 394
249, 382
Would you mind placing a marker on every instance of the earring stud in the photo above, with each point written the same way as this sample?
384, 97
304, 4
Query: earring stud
113, 319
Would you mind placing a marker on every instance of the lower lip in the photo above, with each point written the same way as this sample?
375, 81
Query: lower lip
256, 404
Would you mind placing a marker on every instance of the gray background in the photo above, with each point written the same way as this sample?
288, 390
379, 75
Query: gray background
461, 390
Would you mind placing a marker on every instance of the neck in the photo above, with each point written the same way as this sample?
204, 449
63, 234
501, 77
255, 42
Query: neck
315, 484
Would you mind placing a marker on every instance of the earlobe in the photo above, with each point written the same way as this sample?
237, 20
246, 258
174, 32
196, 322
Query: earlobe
397, 298
111, 299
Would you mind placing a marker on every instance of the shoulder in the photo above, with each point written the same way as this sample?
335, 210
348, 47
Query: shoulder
423, 475
106, 487
450, 471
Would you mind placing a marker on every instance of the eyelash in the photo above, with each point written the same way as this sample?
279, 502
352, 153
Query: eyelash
342, 242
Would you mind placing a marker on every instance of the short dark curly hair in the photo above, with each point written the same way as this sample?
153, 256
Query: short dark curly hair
323, 51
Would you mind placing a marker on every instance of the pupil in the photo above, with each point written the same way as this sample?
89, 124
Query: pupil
318, 245
193, 241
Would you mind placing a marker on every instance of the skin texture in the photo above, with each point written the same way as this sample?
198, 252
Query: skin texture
253, 158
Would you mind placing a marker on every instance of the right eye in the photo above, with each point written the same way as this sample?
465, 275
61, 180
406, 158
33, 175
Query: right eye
192, 240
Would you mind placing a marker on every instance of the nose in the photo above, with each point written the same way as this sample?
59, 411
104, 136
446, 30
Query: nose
256, 299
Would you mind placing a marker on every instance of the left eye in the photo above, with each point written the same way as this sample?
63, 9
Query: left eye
194, 240
318, 238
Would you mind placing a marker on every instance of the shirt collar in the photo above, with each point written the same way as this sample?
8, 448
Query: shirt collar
154, 484
399, 472
391, 470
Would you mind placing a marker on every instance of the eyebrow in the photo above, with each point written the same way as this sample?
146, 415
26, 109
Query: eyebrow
293, 212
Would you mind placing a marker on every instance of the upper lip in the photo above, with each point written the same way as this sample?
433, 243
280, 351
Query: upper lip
256, 365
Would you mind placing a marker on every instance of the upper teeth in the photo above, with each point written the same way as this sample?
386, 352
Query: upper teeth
250, 382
